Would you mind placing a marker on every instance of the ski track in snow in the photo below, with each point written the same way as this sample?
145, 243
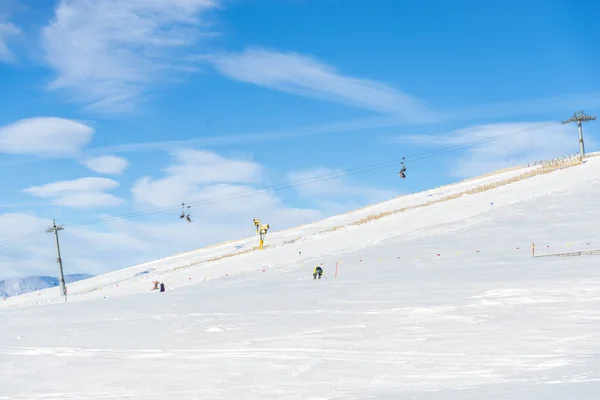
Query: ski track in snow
483, 320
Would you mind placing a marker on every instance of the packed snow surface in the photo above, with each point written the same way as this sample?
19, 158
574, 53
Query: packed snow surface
439, 302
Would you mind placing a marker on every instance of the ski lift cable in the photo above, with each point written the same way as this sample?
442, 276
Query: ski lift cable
19, 238
300, 182
319, 178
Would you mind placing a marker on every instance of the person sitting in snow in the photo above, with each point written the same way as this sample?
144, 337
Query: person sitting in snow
155, 285
162, 287
318, 271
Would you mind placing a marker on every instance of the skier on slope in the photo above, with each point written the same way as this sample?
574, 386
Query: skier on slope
162, 287
318, 271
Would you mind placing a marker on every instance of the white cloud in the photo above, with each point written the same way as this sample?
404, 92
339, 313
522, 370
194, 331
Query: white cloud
517, 108
107, 53
44, 136
190, 170
201, 167
193, 176
83, 250
23, 257
88, 200
110, 165
221, 190
523, 143
306, 76
79, 193
123, 243
7, 29
77, 185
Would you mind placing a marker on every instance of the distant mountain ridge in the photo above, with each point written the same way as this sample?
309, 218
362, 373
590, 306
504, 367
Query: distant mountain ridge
16, 286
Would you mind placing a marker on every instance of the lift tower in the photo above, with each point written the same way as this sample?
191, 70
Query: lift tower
580, 117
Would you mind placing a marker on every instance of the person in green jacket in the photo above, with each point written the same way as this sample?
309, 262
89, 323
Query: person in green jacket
318, 272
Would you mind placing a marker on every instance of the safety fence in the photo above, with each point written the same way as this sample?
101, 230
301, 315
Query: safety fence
487, 175
565, 254
543, 164
544, 168
572, 254
569, 161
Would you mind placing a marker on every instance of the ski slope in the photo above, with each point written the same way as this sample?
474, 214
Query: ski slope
281, 247
438, 302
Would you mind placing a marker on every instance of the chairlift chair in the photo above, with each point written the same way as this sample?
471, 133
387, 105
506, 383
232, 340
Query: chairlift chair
402, 174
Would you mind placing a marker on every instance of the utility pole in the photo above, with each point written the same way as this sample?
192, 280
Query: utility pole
54, 229
580, 117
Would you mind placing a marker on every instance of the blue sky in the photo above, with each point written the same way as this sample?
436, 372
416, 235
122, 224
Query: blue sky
113, 107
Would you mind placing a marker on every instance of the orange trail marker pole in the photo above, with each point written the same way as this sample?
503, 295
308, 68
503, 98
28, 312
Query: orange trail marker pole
336, 269
533, 250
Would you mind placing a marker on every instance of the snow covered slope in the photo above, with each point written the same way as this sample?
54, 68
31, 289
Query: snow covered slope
15, 286
436, 302
304, 241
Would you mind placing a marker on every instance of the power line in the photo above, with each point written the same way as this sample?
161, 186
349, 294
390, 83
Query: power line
300, 182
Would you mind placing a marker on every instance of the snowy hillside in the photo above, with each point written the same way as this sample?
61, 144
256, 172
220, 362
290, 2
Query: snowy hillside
15, 286
432, 300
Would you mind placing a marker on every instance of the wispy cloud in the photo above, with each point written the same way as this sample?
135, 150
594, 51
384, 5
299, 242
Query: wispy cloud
108, 53
77, 185
222, 190
521, 108
123, 243
528, 144
306, 76
7, 29
189, 173
109, 165
340, 193
253, 137
79, 193
47, 136
87, 249
88, 200
562, 106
